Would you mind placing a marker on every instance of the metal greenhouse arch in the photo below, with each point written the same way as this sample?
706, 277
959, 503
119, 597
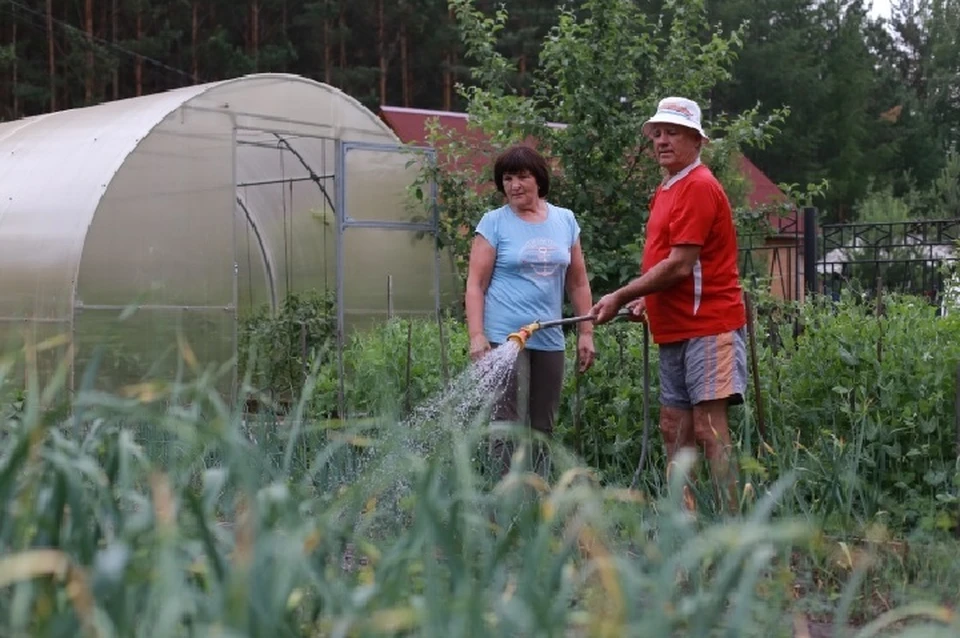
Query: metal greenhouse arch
133, 223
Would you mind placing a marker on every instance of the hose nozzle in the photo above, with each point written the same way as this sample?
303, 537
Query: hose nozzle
521, 335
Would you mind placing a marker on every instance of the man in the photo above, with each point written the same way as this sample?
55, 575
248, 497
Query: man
689, 294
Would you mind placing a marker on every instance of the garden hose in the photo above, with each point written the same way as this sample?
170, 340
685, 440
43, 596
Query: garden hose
521, 335
646, 407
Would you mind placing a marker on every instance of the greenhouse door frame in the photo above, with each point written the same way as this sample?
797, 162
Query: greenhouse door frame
345, 222
271, 262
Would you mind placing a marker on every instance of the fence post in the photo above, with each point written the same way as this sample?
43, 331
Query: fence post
810, 249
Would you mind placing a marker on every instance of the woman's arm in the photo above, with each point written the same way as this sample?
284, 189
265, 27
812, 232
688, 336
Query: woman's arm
482, 257
578, 287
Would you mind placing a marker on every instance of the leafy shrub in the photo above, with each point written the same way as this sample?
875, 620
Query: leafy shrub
377, 379
863, 404
276, 349
860, 404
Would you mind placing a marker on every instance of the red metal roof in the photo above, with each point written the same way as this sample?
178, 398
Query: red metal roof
410, 125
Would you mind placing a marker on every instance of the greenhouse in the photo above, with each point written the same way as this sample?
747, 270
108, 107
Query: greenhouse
144, 224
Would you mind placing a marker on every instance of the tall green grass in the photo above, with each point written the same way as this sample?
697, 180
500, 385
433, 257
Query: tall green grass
165, 511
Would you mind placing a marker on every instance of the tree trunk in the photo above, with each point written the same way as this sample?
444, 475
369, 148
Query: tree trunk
448, 83
404, 62
343, 40
194, 30
88, 28
51, 57
523, 73
448, 72
138, 63
283, 32
13, 43
327, 50
382, 50
114, 19
255, 33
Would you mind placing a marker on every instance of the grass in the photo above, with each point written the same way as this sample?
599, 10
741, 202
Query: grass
166, 512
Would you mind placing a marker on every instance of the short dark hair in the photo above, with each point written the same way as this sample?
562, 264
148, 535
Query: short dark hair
518, 159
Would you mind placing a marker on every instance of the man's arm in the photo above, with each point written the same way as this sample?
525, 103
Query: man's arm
671, 271
668, 273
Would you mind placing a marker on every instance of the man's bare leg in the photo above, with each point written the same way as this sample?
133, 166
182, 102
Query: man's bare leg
677, 428
711, 429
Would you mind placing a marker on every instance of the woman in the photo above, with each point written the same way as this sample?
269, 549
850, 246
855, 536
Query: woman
525, 254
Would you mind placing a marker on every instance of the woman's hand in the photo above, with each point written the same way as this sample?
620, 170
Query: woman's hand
585, 351
479, 346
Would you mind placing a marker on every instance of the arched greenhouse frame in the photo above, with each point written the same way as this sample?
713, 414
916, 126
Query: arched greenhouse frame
131, 227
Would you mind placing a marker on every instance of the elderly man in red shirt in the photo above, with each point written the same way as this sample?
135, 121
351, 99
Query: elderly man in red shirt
689, 294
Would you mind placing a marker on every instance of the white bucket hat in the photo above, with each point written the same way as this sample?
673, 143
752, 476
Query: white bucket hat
676, 110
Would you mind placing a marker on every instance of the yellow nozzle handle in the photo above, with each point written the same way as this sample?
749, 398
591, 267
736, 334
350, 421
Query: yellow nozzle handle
521, 335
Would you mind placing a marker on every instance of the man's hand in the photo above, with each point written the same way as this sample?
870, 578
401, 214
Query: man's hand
606, 309
479, 346
585, 351
638, 310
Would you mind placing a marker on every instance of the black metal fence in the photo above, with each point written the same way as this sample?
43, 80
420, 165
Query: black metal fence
911, 257
798, 256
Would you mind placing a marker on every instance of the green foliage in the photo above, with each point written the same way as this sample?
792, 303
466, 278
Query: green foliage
602, 71
860, 403
940, 200
393, 366
864, 406
276, 349
169, 514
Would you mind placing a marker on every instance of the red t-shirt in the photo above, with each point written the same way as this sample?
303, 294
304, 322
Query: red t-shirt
694, 210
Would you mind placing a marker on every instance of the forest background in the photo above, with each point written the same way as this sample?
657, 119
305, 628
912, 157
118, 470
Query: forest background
874, 100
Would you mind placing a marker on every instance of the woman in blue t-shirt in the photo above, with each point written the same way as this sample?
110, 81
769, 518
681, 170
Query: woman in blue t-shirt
523, 258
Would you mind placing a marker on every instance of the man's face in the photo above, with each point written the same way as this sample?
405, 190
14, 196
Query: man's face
675, 147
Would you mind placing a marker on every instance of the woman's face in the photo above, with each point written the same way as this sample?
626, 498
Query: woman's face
521, 189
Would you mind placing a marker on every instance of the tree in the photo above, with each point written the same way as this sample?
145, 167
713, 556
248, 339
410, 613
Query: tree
603, 69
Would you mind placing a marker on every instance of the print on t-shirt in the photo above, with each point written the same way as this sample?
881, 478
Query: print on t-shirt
529, 273
541, 256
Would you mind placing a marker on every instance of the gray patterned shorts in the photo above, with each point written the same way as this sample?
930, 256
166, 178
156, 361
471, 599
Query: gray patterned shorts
704, 369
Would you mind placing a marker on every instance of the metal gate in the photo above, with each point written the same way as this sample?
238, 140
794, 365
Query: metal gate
388, 257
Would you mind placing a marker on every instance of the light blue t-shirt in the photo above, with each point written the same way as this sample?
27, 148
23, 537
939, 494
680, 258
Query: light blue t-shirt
529, 274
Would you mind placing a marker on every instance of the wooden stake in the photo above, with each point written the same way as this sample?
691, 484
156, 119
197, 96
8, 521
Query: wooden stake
409, 360
761, 419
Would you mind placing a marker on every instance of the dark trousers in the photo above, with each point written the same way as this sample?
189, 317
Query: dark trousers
531, 398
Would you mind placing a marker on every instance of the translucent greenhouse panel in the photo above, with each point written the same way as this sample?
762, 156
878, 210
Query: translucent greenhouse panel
40, 347
163, 234
298, 105
380, 183
152, 345
387, 270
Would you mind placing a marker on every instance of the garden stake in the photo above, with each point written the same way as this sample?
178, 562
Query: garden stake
576, 406
956, 403
409, 357
303, 349
443, 352
761, 423
646, 406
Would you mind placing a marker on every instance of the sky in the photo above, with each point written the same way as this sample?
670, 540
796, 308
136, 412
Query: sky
880, 8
